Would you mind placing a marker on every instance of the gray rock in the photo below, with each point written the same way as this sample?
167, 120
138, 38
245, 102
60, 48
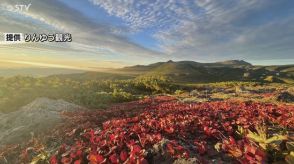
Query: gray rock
186, 161
34, 118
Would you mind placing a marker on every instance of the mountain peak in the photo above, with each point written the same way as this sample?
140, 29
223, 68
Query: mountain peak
235, 62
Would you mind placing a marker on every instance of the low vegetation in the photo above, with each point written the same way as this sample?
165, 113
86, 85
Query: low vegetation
18, 91
163, 129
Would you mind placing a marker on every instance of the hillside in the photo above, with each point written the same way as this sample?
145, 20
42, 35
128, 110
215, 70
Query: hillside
236, 63
95, 76
196, 72
228, 63
191, 71
236, 70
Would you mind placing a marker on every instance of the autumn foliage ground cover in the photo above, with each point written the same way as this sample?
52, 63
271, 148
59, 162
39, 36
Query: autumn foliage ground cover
163, 129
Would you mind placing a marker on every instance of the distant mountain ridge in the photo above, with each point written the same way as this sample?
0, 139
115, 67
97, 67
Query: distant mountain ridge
235, 63
236, 70
193, 72
227, 63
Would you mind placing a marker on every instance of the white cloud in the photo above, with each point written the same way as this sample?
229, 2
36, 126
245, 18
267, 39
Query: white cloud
203, 29
54, 16
143, 14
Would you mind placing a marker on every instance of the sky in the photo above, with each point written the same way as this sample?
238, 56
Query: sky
118, 33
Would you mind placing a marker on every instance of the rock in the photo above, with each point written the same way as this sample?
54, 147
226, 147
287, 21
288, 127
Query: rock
161, 156
186, 161
34, 118
194, 93
159, 153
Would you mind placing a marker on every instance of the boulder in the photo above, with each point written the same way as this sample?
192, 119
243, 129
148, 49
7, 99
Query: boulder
39, 116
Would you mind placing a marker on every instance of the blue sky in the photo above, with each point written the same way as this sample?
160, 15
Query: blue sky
116, 33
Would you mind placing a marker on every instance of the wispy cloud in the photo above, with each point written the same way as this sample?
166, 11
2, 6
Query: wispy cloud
211, 30
53, 15
143, 14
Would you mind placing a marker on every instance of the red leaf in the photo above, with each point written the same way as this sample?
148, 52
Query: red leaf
78, 161
169, 130
123, 155
96, 158
53, 160
232, 140
66, 160
114, 158
200, 146
136, 149
170, 149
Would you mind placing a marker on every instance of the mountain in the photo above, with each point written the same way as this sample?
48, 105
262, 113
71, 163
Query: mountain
236, 63
191, 72
185, 64
230, 70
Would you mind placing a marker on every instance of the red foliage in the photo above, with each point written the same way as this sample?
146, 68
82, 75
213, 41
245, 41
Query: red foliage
130, 130
243, 151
